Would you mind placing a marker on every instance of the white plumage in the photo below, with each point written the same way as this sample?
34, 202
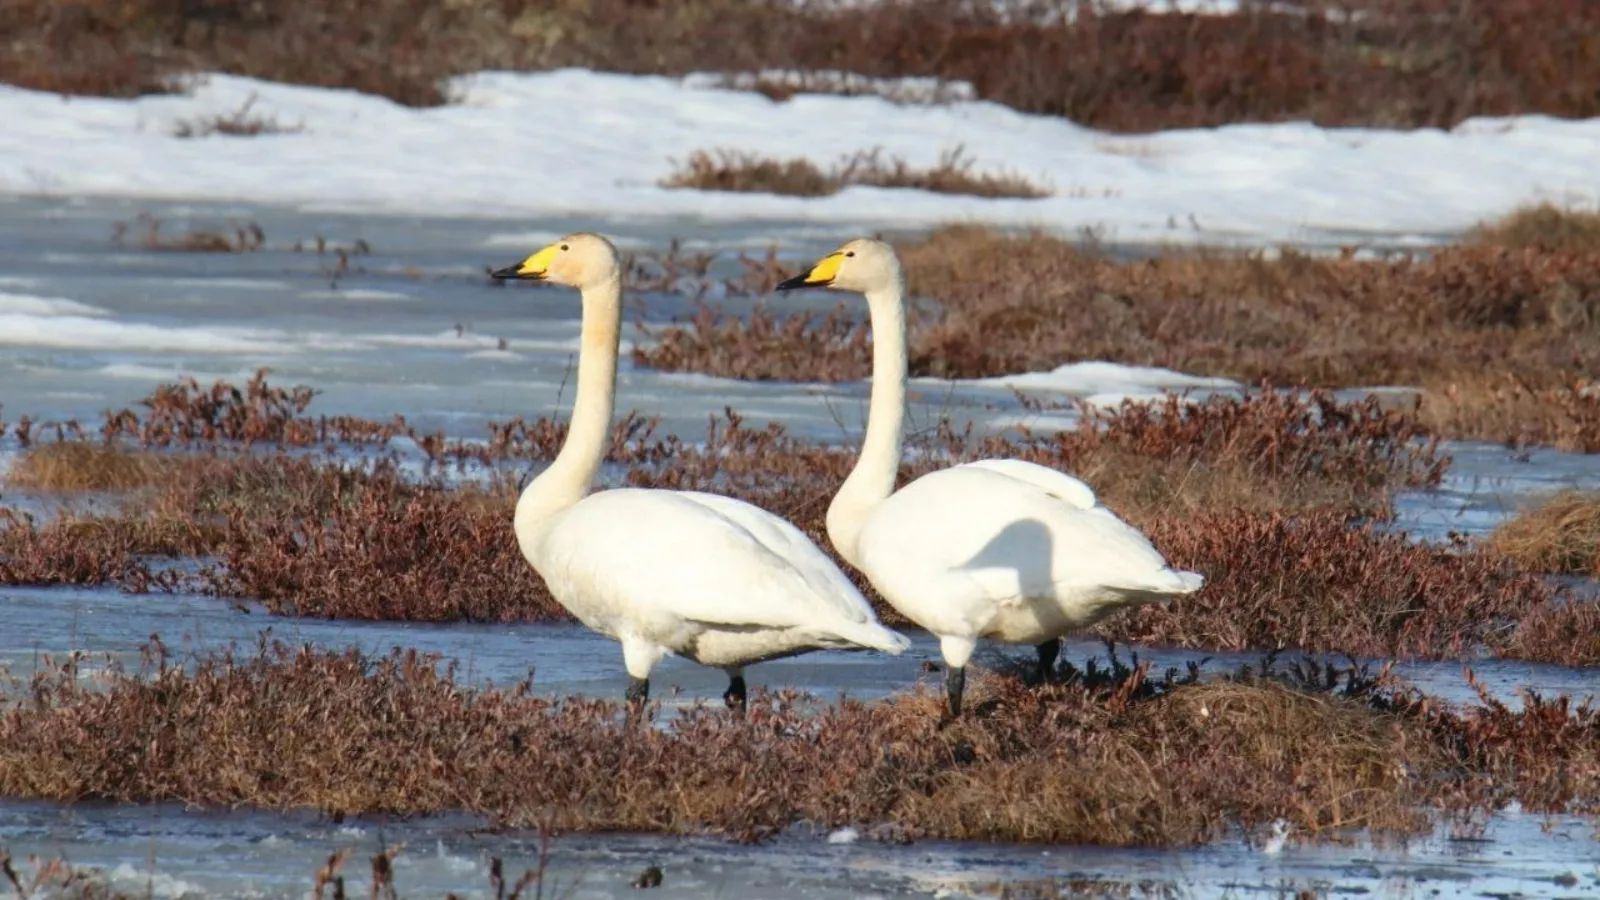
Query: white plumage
711, 578
1000, 548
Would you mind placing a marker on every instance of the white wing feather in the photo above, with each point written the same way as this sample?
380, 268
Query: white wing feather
654, 556
953, 544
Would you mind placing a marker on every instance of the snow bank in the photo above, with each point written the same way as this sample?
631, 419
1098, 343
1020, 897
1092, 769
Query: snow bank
575, 143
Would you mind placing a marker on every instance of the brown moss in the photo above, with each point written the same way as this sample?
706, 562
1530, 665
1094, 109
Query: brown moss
1560, 535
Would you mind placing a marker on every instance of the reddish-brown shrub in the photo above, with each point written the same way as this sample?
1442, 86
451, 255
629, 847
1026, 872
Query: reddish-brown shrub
1518, 328
1314, 582
1394, 63
1114, 758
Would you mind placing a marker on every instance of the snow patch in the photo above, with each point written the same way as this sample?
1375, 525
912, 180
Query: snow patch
30, 305
1267, 183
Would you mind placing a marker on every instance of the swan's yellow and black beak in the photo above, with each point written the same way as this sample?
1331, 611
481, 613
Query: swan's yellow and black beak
821, 274
534, 268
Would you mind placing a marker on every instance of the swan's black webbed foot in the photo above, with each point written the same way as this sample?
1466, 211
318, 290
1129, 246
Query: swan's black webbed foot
955, 683
1048, 651
734, 696
638, 691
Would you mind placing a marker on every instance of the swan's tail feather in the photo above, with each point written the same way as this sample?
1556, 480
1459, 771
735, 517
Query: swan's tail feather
871, 635
1188, 582
1163, 586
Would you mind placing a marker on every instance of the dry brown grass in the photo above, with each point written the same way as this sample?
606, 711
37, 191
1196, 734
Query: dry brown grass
1551, 409
785, 85
145, 233
239, 123
1545, 226
1396, 63
1115, 757
1516, 331
1560, 535
734, 170
86, 466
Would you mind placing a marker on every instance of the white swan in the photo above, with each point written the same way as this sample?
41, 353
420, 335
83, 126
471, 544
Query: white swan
706, 577
999, 548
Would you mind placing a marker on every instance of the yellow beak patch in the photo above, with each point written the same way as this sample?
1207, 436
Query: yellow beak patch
826, 269
539, 263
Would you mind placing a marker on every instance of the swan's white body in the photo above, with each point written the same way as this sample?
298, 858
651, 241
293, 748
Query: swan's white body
709, 578
714, 579
999, 548
1007, 550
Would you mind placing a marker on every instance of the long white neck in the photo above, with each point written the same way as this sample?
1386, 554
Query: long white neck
872, 479
570, 476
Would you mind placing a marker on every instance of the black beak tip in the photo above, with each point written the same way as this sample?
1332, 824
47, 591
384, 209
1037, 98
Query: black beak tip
507, 272
799, 281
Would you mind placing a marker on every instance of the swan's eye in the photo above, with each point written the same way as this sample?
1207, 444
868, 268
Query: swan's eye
563, 246
850, 253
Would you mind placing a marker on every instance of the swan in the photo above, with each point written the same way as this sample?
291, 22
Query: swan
999, 548
710, 578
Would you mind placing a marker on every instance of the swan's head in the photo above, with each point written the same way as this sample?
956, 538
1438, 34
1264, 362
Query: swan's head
862, 265
581, 260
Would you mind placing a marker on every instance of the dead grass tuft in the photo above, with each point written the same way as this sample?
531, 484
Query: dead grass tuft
1546, 227
734, 170
1560, 535
78, 465
146, 232
1552, 409
781, 85
239, 123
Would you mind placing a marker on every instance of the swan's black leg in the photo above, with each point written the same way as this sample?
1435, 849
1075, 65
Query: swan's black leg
638, 691
955, 682
734, 695
1048, 651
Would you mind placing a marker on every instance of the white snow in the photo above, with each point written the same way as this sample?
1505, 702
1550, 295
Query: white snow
1099, 383
356, 294
30, 305
82, 333
578, 143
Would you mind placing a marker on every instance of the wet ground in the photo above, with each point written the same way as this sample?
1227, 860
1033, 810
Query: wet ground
87, 325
